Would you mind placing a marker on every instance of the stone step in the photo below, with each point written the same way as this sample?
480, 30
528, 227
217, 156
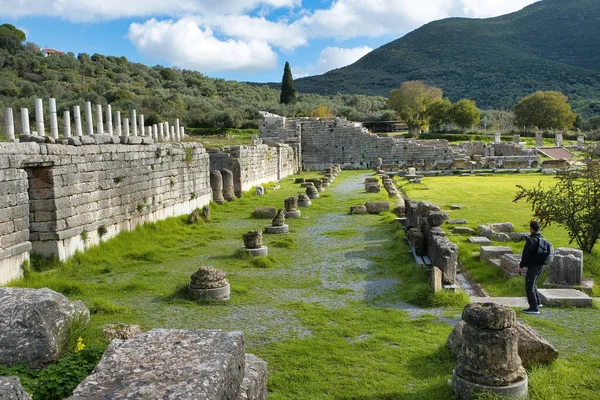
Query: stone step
565, 298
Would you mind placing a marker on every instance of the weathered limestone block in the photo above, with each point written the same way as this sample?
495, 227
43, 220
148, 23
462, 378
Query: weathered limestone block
34, 325
254, 384
400, 209
505, 227
372, 187
299, 180
120, 331
11, 389
481, 240
532, 348
371, 179
307, 184
567, 268
509, 264
463, 230
436, 218
487, 252
518, 236
228, 190
206, 213
161, 364
253, 239
260, 191
489, 353
209, 283
265, 212
485, 231
410, 210
500, 237
216, 184
435, 280
358, 210
376, 207
444, 255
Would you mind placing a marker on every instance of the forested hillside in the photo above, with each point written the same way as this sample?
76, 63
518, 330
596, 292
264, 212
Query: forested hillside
549, 45
157, 92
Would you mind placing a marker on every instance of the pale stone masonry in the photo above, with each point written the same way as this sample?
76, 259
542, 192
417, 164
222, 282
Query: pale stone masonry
52, 194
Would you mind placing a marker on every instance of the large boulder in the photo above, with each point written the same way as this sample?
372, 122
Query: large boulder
11, 389
168, 364
532, 348
34, 325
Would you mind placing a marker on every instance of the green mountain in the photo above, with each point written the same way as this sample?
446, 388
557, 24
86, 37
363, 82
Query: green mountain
549, 45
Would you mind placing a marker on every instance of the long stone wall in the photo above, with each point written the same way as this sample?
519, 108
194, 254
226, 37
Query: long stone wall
253, 165
56, 199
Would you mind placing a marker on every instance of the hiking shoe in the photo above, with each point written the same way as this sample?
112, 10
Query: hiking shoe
540, 306
530, 311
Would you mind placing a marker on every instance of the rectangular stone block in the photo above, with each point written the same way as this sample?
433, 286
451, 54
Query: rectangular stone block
565, 298
509, 264
486, 252
481, 240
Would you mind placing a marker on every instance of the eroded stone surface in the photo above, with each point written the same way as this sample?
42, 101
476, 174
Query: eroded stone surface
168, 364
254, 384
208, 278
34, 324
120, 331
376, 207
11, 389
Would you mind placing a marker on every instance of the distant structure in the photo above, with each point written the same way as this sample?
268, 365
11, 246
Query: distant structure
47, 52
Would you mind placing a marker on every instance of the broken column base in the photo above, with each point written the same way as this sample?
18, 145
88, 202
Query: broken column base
277, 230
304, 203
469, 390
260, 252
586, 286
293, 214
220, 293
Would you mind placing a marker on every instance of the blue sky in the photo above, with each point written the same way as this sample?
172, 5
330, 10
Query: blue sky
244, 40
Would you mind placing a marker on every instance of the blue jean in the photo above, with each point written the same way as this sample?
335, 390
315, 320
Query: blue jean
531, 277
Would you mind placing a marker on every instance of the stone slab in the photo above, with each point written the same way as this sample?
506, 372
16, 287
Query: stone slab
168, 364
463, 230
494, 262
481, 240
456, 222
486, 252
565, 298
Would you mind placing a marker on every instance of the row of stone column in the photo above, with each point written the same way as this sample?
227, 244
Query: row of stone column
123, 127
558, 139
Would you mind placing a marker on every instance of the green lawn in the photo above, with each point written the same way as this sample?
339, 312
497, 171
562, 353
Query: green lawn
338, 309
489, 199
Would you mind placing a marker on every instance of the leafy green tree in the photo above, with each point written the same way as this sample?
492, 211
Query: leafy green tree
11, 38
573, 202
288, 93
465, 113
439, 113
544, 110
411, 101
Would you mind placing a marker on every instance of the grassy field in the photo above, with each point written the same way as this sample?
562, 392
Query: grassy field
214, 137
338, 309
489, 199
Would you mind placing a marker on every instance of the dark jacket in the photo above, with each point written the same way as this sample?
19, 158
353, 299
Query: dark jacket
530, 250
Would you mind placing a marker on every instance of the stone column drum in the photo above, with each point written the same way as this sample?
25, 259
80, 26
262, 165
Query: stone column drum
291, 207
312, 192
488, 360
228, 191
304, 200
319, 185
253, 246
209, 283
216, 184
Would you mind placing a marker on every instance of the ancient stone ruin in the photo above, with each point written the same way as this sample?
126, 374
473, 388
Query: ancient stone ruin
162, 363
253, 244
11, 389
488, 358
209, 283
278, 225
34, 324
304, 200
312, 192
291, 207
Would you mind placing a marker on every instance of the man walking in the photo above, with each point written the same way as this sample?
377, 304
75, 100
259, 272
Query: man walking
534, 268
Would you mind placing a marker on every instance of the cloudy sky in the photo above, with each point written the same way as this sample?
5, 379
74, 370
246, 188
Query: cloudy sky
245, 40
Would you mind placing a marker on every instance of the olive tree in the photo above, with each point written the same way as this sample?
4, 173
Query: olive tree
411, 101
544, 110
574, 202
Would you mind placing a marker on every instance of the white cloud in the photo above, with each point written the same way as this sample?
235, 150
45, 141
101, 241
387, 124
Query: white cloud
332, 58
371, 18
279, 34
183, 43
95, 11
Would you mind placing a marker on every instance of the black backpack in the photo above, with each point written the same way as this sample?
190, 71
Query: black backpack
545, 252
